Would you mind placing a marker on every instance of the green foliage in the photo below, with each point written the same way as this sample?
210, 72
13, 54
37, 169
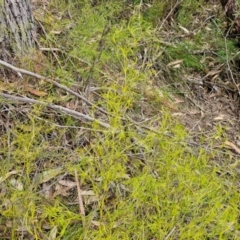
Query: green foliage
188, 11
156, 11
184, 51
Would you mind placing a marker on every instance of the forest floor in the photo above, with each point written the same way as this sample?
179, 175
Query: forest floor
126, 125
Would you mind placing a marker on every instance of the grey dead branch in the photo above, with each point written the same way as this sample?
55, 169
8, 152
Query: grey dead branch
70, 112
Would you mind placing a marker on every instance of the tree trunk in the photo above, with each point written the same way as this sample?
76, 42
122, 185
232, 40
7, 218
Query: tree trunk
17, 30
230, 9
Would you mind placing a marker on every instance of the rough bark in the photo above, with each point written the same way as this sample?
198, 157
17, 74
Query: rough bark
230, 9
17, 30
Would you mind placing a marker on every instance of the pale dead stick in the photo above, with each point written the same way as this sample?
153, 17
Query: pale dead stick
80, 199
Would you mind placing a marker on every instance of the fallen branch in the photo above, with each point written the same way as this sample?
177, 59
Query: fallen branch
21, 71
70, 112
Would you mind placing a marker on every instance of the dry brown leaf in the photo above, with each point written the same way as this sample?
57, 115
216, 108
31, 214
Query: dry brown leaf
61, 190
97, 223
88, 193
67, 183
21, 228
99, 179
174, 63
37, 92
126, 176
167, 43
184, 29
56, 32
16, 184
177, 101
34, 91
53, 233
233, 146
47, 190
46, 226
176, 66
177, 114
213, 78
168, 104
2, 179
213, 72
149, 93
2, 229
91, 199
220, 117
72, 105
194, 112
47, 175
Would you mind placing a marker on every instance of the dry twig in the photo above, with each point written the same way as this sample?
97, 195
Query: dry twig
80, 200
70, 112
